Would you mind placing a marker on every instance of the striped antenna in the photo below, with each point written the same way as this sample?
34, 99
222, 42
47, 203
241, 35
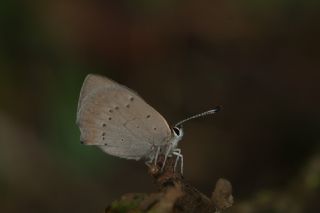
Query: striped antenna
209, 112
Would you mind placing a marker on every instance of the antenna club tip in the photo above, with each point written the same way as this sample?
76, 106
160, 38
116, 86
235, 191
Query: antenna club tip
217, 108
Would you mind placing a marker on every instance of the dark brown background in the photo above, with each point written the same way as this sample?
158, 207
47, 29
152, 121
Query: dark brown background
259, 59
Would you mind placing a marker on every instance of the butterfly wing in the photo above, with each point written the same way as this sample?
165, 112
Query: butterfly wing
118, 120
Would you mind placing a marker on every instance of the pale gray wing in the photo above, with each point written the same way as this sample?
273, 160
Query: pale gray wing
91, 83
118, 120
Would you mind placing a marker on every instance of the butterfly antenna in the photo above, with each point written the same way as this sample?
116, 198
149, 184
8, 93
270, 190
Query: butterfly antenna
209, 112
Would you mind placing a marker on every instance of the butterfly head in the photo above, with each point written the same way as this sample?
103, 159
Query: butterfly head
177, 132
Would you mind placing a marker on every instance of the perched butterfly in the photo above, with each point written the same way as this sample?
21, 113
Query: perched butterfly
116, 119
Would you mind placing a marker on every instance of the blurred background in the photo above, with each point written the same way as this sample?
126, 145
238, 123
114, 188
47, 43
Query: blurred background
259, 59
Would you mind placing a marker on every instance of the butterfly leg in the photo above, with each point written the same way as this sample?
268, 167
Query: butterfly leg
177, 152
148, 162
156, 155
166, 156
153, 156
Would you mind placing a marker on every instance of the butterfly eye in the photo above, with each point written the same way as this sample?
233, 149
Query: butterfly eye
176, 131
